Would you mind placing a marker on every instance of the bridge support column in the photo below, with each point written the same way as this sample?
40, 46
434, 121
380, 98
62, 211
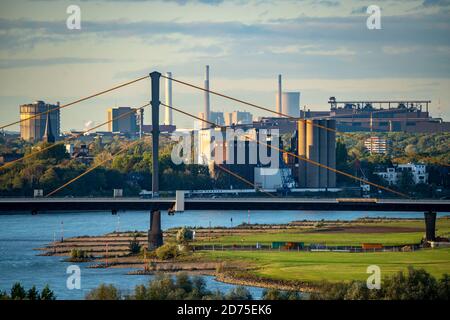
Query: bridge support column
430, 226
155, 236
155, 77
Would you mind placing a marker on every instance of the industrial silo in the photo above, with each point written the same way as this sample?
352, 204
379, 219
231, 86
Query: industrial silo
312, 154
323, 153
316, 143
301, 141
331, 124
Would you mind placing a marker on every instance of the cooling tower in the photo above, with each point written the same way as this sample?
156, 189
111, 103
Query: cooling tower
291, 104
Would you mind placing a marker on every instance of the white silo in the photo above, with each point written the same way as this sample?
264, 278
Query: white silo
291, 104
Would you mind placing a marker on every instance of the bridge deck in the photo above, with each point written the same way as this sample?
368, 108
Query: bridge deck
273, 204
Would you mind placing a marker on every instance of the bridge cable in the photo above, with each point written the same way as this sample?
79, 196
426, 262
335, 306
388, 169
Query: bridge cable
297, 156
75, 102
70, 138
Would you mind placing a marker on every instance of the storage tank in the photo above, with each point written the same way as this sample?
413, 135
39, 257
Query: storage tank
290, 104
312, 153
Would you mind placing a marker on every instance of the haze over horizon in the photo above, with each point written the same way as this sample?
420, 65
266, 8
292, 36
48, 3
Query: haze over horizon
321, 47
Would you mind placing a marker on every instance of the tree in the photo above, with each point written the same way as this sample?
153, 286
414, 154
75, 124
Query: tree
341, 155
239, 293
47, 294
18, 292
275, 294
33, 294
104, 292
415, 284
134, 245
184, 235
406, 180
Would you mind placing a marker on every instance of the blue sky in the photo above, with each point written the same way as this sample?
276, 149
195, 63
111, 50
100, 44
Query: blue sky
322, 47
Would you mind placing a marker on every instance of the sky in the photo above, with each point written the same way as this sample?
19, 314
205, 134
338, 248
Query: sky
322, 48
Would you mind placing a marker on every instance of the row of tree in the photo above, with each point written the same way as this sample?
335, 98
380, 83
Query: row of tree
18, 292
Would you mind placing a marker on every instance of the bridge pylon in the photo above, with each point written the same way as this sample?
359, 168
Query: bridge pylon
430, 226
155, 236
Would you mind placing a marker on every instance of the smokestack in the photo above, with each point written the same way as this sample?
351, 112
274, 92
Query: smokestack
207, 101
168, 114
280, 92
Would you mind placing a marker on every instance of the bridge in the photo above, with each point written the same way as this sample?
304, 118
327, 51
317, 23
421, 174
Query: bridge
37, 205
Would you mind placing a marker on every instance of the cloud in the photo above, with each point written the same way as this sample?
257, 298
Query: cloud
24, 63
436, 3
328, 3
359, 10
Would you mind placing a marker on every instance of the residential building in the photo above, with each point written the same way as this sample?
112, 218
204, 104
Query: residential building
377, 145
393, 175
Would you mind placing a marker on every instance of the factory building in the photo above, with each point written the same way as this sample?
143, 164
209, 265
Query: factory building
33, 118
217, 118
380, 116
237, 118
316, 141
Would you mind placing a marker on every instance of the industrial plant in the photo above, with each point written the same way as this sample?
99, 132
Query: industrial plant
310, 163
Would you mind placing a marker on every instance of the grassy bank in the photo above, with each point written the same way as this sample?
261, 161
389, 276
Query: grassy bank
351, 234
332, 266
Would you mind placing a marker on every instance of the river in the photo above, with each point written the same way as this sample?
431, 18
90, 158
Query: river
21, 233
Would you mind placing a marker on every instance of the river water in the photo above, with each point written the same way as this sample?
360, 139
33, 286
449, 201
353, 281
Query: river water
21, 233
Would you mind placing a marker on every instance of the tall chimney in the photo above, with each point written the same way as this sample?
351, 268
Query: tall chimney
168, 95
207, 101
280, 92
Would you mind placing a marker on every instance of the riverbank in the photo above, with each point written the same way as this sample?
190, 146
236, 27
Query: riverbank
283, 270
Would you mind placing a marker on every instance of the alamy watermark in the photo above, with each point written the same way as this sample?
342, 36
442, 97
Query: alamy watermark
73, 21
374, 20
74, 280
374, 280
230, 146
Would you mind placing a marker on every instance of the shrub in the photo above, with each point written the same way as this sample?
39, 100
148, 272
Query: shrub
239, 293
415, 284
275, 294
104, 292
134, 245
167, 251
184, 235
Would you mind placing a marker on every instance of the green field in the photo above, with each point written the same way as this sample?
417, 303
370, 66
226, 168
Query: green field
350, 239
333, 266
336, 238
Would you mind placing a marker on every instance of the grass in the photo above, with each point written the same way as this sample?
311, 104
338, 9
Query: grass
333, 266
350, 239
341, 238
